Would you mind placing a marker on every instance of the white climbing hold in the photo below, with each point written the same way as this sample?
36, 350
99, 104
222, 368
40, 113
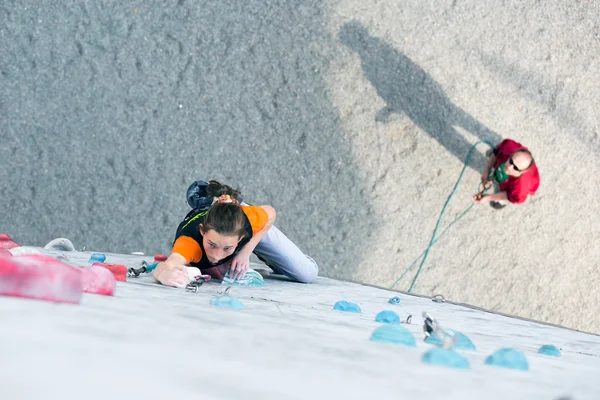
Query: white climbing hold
192, 273
62, 244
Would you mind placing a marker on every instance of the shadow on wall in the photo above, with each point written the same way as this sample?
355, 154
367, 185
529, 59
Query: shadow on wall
408, 89
555, 96
120, 106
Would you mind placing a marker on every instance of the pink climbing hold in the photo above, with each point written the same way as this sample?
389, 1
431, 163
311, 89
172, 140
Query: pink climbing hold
6, 242
5, 252
98, 263
160, 257
36, 276
98, 280
119, 271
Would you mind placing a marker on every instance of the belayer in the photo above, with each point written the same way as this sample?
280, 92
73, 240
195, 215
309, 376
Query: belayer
513, 172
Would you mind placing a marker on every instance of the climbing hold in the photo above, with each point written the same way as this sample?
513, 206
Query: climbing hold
159, 258
394, 334
193, 272
227, 301
346, 306
549, 350
6, 242
97, 257
508, 358
460, 340
119, 271
61, 244
97, 279
138, 253
394, 300
250, 278
388, 317
40, 277
446, 358
5, 252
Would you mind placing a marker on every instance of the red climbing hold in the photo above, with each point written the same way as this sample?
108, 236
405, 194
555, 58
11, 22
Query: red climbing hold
160, 257
118, 270
6, 242
98, 279
41, 277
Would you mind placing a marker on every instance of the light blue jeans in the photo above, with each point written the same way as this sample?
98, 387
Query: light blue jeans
284, 257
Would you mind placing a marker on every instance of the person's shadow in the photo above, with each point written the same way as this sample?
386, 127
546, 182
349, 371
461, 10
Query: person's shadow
408, 89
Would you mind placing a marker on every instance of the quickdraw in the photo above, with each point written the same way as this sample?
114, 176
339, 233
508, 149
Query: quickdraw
432, 328
135, 272
198, 281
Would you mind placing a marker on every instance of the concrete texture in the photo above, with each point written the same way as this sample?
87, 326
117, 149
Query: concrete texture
351, 118
150, 341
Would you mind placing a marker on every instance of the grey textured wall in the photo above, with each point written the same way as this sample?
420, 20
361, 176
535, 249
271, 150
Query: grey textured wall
352, 118
109, 110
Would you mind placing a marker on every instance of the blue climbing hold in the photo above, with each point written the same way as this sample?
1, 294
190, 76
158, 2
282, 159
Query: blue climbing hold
97, 257
346, 306
394, 334
508, 358
446, 358
388, 317
461, 341
250, 278
227, 301
549, 350
394, 300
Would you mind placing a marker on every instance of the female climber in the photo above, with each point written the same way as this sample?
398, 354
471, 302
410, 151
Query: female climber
220, 234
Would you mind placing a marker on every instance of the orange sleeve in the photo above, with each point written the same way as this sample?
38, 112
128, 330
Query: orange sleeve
188, 248
257, 216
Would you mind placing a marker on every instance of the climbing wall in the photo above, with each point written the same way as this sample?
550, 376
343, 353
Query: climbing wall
330, 339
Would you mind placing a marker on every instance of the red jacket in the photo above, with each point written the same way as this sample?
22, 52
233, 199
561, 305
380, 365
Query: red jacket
517, 188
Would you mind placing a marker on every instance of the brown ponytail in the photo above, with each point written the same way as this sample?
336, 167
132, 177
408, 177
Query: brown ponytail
216, 189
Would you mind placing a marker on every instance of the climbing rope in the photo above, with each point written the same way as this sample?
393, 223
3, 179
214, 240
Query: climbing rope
435, 237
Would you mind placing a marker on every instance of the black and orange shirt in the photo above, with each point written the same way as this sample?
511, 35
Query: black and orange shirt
188, 239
